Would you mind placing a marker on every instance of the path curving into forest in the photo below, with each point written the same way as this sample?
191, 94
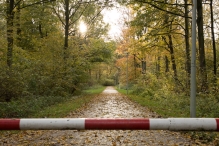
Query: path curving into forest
108, 104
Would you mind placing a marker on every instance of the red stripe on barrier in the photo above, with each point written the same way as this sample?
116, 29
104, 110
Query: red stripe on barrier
217, 121
113, 124
10, 124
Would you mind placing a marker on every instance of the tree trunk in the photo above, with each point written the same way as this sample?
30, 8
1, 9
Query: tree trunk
188, 61
10, 24
135, 63
172, 56
213, 42
143, 62
18, 15
168, 23
202, 62
66, 28
158, 67
171, 49
167, 62
99, 74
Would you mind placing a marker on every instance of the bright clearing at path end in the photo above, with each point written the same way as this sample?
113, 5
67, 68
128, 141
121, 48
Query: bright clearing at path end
110, 90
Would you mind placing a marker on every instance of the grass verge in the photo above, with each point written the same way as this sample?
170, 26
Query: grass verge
178, 106
64, 108
96, 90
61, 110
124, 91
162, 107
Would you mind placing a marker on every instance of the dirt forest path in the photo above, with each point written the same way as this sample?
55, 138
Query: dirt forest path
109, 104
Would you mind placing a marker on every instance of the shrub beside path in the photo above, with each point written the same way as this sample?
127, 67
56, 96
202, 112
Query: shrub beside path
109, 104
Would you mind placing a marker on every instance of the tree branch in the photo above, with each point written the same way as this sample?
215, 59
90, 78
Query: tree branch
39, 2
155, 6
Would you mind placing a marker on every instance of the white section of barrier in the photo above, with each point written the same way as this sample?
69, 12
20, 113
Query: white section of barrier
158, 124
53, 123
189, 124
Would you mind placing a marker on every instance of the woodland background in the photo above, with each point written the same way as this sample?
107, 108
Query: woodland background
44, 58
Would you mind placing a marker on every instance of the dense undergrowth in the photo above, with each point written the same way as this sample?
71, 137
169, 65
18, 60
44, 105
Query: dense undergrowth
171, 101
27, 106
46, 106
169, 104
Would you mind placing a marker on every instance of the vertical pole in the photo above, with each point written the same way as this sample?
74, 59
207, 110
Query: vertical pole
127, 75
193, 63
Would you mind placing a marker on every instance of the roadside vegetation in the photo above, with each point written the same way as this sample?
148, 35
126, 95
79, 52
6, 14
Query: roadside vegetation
166, 102
169, 104
47, 106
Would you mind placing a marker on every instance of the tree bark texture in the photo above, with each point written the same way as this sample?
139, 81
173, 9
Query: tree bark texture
213, 41
66, 28
202, 61
170, 46
188, 60
10, 24
18, 15
167, 64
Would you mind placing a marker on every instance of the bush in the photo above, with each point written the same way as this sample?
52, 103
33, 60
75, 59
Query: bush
137, 90
207, 106
11, 85
27, 106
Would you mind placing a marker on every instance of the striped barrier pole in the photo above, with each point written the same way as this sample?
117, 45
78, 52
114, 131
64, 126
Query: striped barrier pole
175, 124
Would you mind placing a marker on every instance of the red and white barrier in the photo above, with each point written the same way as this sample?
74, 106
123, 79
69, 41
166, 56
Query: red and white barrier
188, 124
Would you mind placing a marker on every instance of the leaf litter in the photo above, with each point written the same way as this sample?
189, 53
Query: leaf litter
109, 104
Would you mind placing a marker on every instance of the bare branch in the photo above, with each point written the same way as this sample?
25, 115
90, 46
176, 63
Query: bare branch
170, 12
39, 2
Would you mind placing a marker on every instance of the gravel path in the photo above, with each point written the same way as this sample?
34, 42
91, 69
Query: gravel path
109, 104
